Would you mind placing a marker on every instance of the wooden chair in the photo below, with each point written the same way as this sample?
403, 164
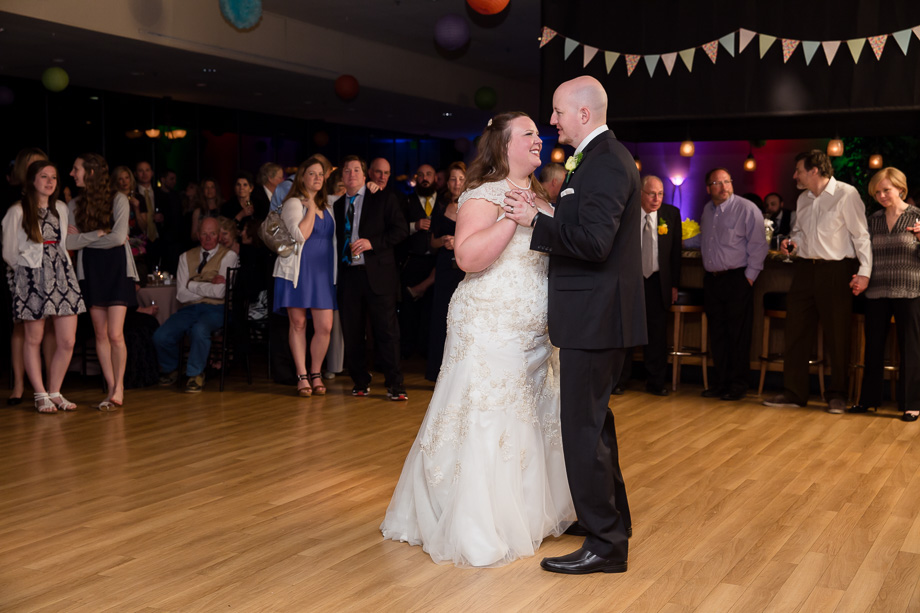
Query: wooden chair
689, 302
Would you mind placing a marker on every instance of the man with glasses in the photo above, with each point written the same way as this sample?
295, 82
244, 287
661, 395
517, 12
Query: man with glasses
734, 246
661, 245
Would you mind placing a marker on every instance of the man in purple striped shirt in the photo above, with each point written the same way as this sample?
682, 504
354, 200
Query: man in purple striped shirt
734, 246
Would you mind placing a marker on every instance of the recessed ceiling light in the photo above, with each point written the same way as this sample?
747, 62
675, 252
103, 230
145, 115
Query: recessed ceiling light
58, 60
208, 70
94, 97
447, 114
201, 84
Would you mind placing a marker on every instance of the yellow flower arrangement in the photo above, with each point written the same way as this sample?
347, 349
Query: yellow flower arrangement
689, 229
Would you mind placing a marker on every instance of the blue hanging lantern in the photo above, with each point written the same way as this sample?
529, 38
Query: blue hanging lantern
242, 14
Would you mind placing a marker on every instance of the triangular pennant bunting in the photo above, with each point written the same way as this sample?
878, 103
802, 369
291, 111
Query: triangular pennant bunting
610, 58
589, 55
650, 62
916, 30
765, 41
687, 56
903, 39
789, 46
856, 46
668, 60
809, 47
830, 49
631, 61
570, 46
728, 41
712, 49
547, 35
878, 45
744, 37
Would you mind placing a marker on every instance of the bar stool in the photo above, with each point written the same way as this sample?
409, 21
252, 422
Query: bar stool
774, 307
689, 301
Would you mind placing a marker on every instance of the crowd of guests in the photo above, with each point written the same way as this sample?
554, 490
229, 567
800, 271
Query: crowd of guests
369, 256
366, 254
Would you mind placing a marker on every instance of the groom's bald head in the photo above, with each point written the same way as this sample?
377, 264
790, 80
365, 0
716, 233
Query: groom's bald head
579, 107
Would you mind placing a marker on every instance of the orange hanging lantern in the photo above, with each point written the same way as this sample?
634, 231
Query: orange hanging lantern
488, 7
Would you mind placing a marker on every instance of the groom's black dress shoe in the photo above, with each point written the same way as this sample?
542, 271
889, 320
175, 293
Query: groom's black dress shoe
713, 393
576, 530
582, 562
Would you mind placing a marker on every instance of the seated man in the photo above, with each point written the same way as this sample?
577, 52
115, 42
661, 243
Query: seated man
201, 283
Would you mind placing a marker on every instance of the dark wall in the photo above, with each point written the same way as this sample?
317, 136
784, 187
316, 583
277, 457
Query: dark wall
742, 96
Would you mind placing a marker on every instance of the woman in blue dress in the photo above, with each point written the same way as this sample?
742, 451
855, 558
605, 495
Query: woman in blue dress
306, 279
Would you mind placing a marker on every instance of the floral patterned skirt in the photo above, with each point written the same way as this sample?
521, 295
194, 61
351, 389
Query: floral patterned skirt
50, 290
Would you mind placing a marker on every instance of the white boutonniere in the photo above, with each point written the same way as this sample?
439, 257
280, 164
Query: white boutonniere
572, 163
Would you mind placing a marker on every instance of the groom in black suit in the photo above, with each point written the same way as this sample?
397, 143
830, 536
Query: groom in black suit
596, 309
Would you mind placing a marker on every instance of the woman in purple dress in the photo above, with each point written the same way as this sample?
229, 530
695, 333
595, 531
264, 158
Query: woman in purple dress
306, 279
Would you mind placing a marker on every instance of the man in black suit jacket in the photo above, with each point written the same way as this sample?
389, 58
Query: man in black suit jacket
368, 280
596, 309
661, 281
164, 240
781, 218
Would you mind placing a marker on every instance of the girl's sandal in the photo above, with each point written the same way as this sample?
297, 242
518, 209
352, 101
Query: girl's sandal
64, 404
318, 388
304, 392
43, 403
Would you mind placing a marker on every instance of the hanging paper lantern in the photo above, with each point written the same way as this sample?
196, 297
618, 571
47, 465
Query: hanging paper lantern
6, 95
451, 32
485, 98
346, 87
462, 145
835, 148
557, 155
875, 160
55, 79
750, 164
487, 7
242, 14
321, 138
687, 148
638, 163
134, 133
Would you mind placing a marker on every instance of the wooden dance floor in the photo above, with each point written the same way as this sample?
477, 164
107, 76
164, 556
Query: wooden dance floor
255, 500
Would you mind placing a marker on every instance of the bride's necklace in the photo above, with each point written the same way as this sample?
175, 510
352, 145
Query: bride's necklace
508, 179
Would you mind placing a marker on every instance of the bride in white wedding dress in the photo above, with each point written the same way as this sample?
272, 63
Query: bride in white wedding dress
484, 482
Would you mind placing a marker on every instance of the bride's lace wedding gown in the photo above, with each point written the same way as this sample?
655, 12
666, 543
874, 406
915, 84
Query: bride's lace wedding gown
484, 481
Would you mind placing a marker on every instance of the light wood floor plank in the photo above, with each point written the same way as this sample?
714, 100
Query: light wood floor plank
256, 500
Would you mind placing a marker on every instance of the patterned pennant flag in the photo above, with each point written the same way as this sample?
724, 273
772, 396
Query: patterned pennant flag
916, 30
668, 60
570, 46
650, 62
903, 39
830, 49
631, 61
878, 44
765, 41
744, 37
687, 56
712, 49
546, 36
856, 46
809, 47
610, 57
589, 55
789, 46
728, 41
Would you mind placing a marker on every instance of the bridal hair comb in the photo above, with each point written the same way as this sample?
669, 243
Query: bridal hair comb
489, 125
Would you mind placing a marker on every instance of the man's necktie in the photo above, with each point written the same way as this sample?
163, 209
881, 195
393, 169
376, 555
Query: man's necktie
428, 206
152, 233
349, 222
204, 260
648, 255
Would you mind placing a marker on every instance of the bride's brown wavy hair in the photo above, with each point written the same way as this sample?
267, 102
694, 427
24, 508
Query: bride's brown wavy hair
94, 205
491, 163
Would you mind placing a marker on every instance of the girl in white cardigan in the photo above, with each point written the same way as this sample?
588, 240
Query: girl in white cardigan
44, 284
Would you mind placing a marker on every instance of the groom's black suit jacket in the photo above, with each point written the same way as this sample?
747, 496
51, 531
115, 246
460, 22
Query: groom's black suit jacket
596, 296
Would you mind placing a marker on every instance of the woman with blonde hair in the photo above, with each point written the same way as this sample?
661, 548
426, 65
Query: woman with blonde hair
306, 279
44, 283
105, 267
893, 290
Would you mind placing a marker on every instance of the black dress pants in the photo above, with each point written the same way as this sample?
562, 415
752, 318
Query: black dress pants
357, 302
589, 443
728, 299
906, 312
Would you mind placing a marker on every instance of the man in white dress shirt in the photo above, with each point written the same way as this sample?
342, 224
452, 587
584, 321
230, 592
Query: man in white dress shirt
201, 282
831, 239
